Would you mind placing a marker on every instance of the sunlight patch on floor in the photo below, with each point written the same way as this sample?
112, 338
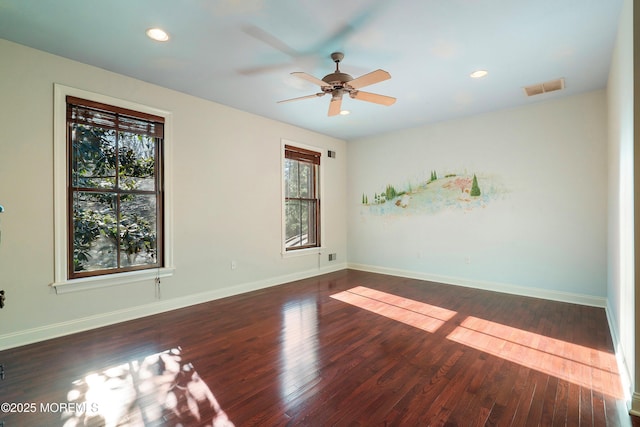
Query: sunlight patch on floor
161, 388
414, 313
578, 364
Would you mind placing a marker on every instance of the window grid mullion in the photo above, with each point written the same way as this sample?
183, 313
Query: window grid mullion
117, 191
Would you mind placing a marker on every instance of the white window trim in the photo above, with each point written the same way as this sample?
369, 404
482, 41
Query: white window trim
306, 251
62, 283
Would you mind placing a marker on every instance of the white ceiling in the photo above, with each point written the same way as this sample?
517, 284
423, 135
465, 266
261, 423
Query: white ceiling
240, 52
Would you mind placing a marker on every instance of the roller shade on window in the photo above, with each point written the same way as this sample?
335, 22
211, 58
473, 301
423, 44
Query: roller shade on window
92, 113
300, 154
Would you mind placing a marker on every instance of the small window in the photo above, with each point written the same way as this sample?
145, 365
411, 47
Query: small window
301, 198
114, 189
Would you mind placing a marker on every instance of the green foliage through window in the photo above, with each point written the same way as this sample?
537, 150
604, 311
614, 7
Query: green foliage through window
115, 191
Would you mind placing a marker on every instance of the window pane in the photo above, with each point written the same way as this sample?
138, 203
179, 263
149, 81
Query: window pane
94, 231
291, 188
300, 223
311, 223
93, 157
292, 222
136, 162
304, 223
306, 179
138, 232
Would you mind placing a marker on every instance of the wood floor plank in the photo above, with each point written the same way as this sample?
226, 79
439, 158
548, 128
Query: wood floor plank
448, 402
573, 405
524, 401
352, 348
549, 402
508, 405
534, 417
561, 404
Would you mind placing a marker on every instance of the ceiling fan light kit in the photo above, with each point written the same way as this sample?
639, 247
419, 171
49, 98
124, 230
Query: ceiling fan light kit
339, 83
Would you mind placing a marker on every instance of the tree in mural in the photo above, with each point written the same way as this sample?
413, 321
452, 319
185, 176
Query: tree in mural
475, 189
390, 192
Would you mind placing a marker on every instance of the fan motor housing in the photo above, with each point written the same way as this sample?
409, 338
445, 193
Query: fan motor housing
337, 78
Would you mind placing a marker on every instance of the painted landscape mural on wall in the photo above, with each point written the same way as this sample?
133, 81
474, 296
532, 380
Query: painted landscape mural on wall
453, 191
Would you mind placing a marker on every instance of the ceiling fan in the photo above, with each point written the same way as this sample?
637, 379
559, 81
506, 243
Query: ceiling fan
339, 83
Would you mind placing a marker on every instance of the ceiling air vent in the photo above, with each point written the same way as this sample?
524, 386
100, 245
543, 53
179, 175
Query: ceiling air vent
550, 86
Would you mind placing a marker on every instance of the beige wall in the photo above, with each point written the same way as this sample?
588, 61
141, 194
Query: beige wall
226, 191
545, 236
620, 268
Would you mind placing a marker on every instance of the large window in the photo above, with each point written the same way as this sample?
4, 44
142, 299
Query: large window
301, 198
114, 189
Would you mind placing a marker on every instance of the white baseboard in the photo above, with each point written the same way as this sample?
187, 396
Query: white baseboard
488, 286
635, 404
30, 336
631, 399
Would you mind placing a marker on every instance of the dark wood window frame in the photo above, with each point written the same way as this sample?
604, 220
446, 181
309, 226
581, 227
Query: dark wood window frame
310, 157
134, 122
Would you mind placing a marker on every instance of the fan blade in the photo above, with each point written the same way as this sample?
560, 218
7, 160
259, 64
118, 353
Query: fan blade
335, 106
271, 40
373, 97
309, 78
315, 95
263, 69
369, 79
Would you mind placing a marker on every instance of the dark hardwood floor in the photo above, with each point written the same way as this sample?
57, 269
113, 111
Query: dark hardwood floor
347, 348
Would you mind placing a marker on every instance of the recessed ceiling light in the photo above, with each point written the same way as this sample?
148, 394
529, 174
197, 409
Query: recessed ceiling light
345, 112
478, 74
157, 34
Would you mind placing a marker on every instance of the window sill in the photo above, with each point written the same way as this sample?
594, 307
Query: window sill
300, 252
88, 283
